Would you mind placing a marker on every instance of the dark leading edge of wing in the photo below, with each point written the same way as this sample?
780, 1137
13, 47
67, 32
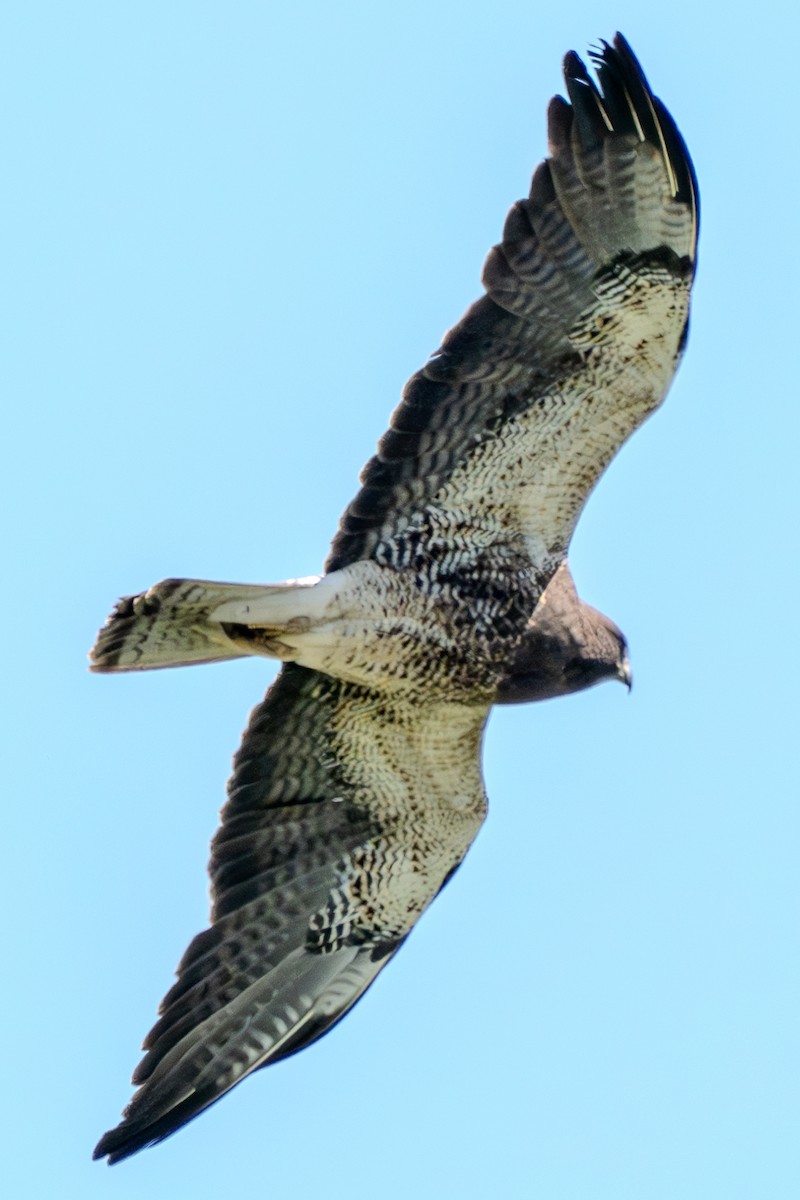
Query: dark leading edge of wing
539, 280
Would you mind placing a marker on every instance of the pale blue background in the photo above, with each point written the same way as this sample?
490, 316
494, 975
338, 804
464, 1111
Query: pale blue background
231, 231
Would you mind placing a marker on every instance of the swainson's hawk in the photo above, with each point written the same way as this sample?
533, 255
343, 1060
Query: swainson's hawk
357, 789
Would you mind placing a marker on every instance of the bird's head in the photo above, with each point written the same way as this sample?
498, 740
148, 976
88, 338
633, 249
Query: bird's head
611, 659
568, 646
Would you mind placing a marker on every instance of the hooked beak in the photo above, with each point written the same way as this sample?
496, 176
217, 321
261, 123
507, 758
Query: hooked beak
624, 673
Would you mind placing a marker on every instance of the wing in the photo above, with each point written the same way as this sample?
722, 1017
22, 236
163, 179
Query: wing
510, 424
346, 814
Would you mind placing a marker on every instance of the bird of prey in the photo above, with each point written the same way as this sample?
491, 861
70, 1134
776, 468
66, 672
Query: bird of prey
357, 789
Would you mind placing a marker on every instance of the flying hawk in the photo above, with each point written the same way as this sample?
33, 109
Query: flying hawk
357, 789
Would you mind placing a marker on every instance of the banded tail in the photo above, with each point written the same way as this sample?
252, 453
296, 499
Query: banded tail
179, 622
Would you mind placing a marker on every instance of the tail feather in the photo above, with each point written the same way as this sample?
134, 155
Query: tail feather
179, 622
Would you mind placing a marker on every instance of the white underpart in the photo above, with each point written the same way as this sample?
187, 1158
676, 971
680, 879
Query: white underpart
421, 777
313, 597
370, 624
534, 477
348, 624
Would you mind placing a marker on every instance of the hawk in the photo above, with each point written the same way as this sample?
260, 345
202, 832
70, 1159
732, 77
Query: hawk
357, 789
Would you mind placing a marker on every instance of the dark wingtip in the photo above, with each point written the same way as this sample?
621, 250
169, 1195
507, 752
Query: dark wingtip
630, 101
145, 1124
131, 1136
623, 46
586, 101
108, 1147
120, 1143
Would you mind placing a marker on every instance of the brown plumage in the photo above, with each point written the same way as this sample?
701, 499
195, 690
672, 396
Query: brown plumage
357, 789
567, 646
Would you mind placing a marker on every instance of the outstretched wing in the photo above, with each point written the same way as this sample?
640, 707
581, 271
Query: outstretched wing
510, 424
346, 813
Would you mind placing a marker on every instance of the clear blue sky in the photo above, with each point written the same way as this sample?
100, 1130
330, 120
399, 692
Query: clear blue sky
231, 232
